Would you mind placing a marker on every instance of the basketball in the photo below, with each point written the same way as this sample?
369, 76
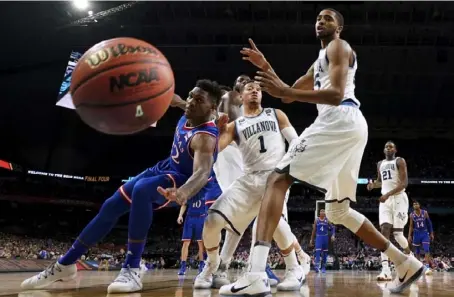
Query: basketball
122, 86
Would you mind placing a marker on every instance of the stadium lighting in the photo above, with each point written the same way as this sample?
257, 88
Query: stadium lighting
90, 13
80, 4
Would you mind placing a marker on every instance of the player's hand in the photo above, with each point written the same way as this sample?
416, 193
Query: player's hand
432, 237
333, 238
222, 122
180, 220
173, 194
311, 243
253, 55
271, 83
370, 186
410, 240
383, 198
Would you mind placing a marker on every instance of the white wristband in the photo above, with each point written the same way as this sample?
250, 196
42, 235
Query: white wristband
289, 133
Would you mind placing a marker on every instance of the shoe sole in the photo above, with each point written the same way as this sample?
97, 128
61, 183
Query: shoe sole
264, 294
408, 283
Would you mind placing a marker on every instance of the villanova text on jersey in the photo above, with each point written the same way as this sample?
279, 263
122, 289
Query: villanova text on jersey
260, 127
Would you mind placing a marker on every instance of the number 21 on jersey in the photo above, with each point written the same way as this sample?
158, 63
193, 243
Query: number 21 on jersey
386, 174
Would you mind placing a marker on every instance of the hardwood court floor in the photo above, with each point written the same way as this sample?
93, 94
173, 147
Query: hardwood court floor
166, 283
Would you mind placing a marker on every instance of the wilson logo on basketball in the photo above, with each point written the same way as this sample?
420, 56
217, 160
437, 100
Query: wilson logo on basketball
116, 51
133, 79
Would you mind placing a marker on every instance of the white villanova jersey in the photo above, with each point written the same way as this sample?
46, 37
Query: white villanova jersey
322, 81
260, 141
389, 174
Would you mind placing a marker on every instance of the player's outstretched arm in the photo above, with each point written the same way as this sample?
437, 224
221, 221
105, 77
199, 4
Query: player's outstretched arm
203, 146
178, 102
338, 52
287, 130
227, 136
403, 178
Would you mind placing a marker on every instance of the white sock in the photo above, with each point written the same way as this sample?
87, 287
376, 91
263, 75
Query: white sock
395, 255
259, 256
290, 260
302, 256
384, 262
230, 244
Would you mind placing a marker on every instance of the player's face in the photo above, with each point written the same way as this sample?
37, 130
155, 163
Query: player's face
390, 149
322, 213
416, 206
240, 81
198, 104
252, 94
326, 24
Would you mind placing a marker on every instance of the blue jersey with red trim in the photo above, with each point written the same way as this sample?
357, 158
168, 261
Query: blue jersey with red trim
196, 207
419, 222
181, 155
322, 227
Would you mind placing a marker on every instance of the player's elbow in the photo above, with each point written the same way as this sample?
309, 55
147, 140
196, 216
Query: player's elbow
336, 97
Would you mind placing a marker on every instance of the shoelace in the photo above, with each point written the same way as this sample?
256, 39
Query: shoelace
126, 276
49, 270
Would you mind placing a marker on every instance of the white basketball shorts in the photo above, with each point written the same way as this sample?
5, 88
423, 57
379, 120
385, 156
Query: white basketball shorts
394, 211
240, 203
228, 166
327, 155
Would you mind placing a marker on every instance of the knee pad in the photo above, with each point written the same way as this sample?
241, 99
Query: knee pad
342, 214
283, 235
400, 238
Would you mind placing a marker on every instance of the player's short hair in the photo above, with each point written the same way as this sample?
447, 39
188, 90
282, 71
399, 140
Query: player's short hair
225, 88
246, 82
390, 141
212, 88
417, 202
339, 16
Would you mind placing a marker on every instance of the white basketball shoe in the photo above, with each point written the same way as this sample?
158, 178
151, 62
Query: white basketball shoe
293, 280
53, 273
408, 272
205, 278
128, 281
252, 284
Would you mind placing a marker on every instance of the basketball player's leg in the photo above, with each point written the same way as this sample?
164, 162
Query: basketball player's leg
184, 254
234, 210
400, 219
385, 218
197, 231
111, 210
294, 274
339, 212
144, 195
327, 157
425, 242
309, 160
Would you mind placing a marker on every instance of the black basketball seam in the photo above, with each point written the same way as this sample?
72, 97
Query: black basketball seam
101, 105
94, 74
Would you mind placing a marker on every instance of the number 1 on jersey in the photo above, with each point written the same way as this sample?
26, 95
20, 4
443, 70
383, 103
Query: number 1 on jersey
262, 144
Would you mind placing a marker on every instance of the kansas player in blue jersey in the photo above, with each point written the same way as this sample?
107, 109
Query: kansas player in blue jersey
192, 229
175, 179
421, 233
320, 232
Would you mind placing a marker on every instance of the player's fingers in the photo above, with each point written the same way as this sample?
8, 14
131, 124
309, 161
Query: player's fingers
268, 75
246, 58
251, 42
162, 191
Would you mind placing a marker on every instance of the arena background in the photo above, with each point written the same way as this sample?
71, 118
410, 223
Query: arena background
56, 171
